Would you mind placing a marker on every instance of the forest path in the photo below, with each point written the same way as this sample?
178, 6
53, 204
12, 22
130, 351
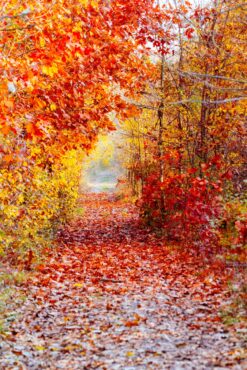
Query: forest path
114, 297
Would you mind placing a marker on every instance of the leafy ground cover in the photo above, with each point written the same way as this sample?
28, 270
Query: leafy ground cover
115, 296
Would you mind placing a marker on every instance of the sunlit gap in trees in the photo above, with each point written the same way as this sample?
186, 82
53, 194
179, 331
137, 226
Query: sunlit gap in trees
102, 168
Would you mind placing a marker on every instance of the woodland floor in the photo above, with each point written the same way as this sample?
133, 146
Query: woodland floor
116, 297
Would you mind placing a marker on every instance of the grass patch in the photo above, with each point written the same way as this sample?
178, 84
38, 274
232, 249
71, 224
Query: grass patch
11, 297
235, 311
79, 211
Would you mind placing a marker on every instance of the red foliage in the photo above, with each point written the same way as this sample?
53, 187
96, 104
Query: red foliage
185, 206
241, 227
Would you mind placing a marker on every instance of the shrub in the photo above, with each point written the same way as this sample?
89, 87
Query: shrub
186, 207
35, 199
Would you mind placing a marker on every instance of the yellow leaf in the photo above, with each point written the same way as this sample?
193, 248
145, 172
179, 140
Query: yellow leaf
84, 2
53, 107
45, 70
50, 71
42, 42
53, 69
94, 3
77, 27
40, 348
78, 285
21, 198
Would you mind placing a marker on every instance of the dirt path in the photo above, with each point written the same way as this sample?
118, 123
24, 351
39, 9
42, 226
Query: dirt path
114, 297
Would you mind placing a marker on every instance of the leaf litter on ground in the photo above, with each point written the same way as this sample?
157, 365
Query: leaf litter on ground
115, 296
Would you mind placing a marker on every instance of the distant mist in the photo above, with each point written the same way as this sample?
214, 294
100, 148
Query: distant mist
102, 168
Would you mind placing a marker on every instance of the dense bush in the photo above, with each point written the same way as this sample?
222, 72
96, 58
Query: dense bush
35, 200
186, 207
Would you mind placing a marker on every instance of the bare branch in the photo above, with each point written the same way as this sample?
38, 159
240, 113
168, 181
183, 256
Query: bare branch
202, 75
197, 101
233, 8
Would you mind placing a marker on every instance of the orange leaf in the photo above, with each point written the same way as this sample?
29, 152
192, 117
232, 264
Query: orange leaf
129, 324
6, 129
9, 104
8, 158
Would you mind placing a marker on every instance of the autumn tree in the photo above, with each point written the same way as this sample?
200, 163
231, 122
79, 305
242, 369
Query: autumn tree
64, 65
199, 100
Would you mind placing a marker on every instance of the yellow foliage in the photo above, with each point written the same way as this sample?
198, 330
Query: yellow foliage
36, 199
53, 107
50, 70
